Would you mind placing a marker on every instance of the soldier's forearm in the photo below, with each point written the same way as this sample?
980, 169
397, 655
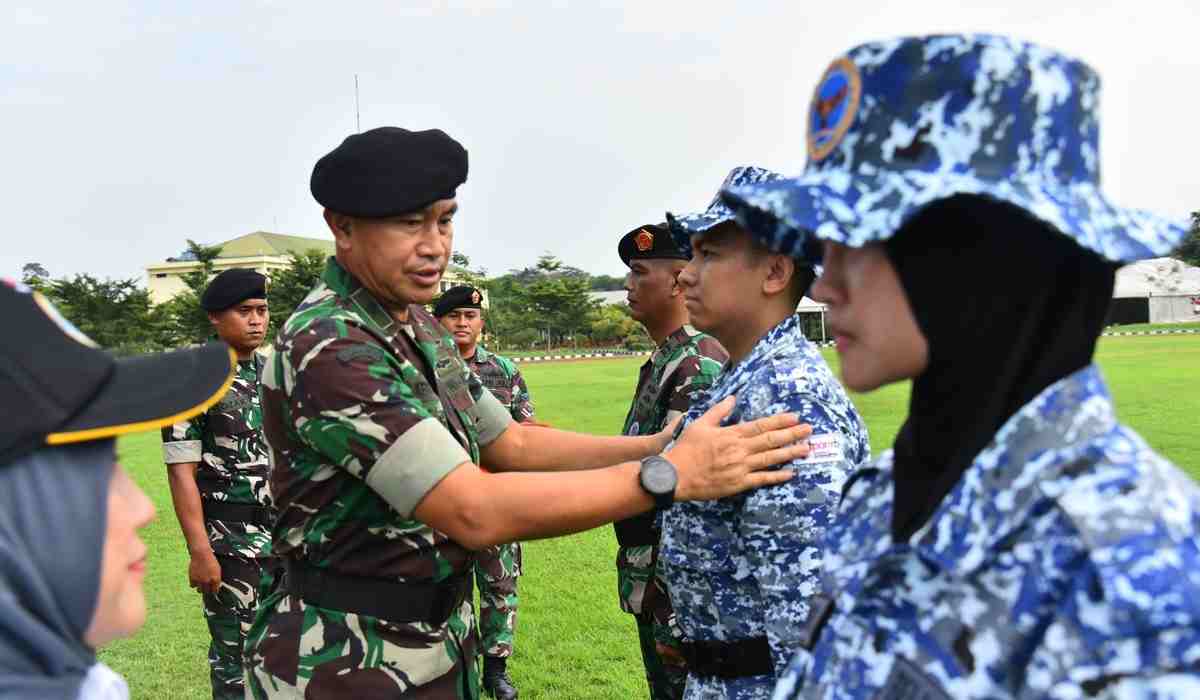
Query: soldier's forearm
528, 448
479, 509
189, 511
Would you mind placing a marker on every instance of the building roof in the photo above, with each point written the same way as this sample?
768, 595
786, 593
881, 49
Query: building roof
266, 243
615, 297
1157, 277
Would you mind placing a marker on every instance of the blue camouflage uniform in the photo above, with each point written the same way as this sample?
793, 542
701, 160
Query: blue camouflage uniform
1064, 564
744, 567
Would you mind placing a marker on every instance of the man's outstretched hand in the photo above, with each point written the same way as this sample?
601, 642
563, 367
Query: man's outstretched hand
714, 462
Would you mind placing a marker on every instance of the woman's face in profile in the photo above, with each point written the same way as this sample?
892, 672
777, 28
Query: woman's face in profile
873, 326
121, 603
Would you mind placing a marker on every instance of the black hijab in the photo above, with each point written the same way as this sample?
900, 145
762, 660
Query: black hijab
1008, 306
53, 518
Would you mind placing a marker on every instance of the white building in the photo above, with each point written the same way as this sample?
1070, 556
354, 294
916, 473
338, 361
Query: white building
1161, 290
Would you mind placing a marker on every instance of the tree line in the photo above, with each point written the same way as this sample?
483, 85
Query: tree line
547, 304
544, 305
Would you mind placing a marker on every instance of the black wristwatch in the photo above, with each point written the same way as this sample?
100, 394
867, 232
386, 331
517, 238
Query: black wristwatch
659, 479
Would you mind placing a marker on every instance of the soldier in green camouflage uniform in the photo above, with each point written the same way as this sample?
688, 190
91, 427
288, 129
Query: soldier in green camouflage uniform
217, 465
376, 428
460, 311
681, 369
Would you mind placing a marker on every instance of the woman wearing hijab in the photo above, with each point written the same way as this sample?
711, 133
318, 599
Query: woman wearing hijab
1017, 541
71, 563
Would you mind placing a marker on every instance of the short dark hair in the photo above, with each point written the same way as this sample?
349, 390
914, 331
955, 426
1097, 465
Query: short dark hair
803, 274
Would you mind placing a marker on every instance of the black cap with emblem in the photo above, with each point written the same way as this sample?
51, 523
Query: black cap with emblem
57, 387
460, 297
231, 287
389, 171
647, 242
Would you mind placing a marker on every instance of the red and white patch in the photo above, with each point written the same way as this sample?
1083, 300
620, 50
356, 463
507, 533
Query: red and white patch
825, 447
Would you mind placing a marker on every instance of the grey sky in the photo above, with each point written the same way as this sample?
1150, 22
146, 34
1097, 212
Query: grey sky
128, 127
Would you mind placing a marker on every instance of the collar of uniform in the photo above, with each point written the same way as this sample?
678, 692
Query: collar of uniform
347, 287
772, 343
480, 356
680, 336
1015, 473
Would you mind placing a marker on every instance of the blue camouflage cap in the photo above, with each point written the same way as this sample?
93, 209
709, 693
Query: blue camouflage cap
897, 125
683, 227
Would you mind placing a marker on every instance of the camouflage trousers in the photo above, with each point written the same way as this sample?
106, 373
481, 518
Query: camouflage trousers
644, 595
229, 613
496, 572
296, 650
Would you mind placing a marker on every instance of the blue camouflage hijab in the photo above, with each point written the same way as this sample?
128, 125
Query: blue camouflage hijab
53, 517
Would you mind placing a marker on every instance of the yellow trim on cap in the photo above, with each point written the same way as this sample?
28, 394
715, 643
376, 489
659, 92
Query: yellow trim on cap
115, 430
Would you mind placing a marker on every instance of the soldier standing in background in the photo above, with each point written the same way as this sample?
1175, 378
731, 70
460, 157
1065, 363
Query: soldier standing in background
217, 469
460, 311
684, 365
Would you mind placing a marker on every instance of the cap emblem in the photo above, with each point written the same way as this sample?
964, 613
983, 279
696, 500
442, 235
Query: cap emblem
644, 240
475, 296
834, 105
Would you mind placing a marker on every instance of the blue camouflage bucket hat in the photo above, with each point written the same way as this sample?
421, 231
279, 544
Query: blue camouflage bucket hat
896, 125
683, 227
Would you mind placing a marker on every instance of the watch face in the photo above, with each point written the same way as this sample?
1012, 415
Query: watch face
658, 476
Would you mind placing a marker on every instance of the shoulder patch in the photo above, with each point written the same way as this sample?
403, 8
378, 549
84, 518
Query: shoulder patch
357, 353
825, 447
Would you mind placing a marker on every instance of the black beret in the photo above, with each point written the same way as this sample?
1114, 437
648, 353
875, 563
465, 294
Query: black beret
389, 171
460, 297
648, 242
232, 286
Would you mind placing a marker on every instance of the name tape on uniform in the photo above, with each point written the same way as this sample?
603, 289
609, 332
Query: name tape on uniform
825, 447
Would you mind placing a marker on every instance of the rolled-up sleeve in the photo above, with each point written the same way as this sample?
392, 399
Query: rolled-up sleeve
182, 442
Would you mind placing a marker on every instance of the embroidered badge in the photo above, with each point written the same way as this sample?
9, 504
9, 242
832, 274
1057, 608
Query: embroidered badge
475, 296
834, 106
360, 353
825, 447
644, 240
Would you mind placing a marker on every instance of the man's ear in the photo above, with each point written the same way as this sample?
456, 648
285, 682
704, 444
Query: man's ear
212, 318
780, 269
341, 226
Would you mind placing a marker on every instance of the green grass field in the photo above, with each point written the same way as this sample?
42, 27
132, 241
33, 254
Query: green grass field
572, 640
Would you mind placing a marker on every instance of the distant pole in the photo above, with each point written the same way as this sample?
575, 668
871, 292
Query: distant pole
357, 122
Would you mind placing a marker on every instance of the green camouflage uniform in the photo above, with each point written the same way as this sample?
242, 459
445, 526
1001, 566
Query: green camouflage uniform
682, 368
356, 404
232, 456
497, 568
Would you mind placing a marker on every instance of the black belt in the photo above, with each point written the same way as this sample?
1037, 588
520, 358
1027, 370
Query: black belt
238, 513
638, 531
736, 659
394, 601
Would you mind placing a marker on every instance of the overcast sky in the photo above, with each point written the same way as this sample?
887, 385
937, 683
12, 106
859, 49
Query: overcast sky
130, 127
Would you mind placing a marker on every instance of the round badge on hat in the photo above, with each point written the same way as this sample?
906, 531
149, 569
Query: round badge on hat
834, 104
475, 298
649, 242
